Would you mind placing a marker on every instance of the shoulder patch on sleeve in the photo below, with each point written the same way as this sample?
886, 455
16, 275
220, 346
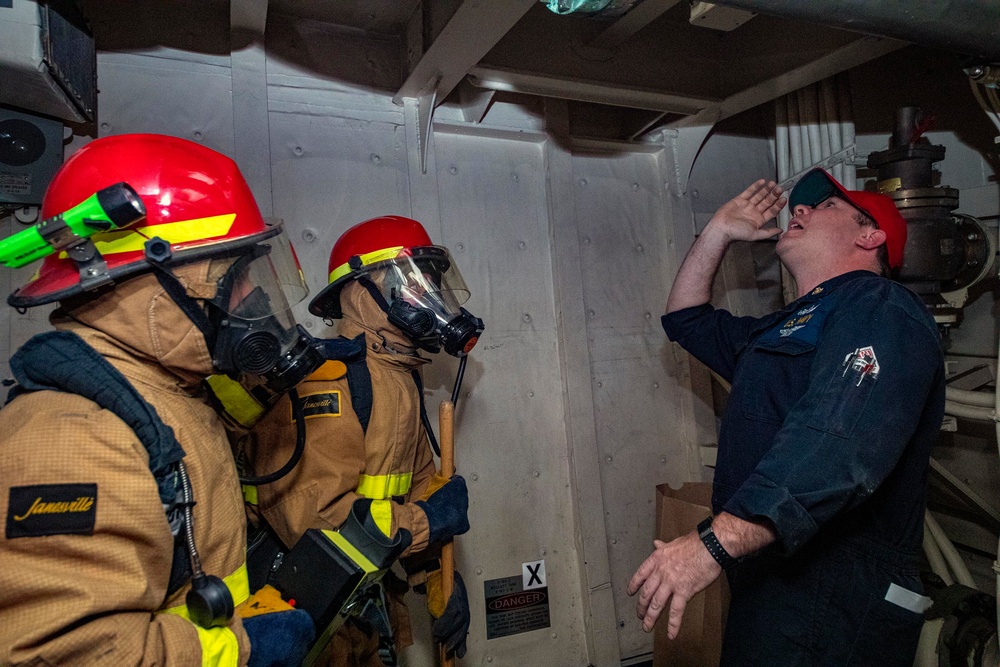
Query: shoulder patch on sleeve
320, 404
51, 509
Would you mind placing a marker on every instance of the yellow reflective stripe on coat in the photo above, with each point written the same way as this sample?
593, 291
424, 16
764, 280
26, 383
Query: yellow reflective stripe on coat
238, 584
380, 487
219, 646
250, 494
235, 399
382, 513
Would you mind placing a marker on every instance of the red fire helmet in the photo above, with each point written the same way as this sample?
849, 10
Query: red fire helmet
196, 200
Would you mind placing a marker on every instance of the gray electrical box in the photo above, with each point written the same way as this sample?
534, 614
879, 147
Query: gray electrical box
31, 150
48, 61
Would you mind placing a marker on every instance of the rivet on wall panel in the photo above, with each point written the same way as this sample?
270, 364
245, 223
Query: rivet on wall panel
475, 477
526, 317
599, 384
656, 385
375, 158
639, 248
543, 552
536, 473
531, 394
583, 182
308, 324
614, 541
694, 193
663, 459
309, 235
460, 247
453, 170
297, 150
513, 177
635, 186
105, 127
198, 136
586, 240
489, 658
621, 623
609, 459
479, 571
522, 245
591, 313
554, 635
648, 315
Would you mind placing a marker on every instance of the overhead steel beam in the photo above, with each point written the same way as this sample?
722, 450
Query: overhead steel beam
469, 35
634, 21
584, 91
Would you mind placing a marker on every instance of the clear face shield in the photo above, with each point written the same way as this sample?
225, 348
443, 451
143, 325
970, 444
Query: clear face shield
252, 307
424, 292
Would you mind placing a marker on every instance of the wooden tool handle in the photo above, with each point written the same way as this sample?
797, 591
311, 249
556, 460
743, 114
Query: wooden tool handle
446, 414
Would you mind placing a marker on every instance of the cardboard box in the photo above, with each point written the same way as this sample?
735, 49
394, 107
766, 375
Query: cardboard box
699, 643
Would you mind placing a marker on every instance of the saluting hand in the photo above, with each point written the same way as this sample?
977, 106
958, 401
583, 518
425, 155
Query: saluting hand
743, 217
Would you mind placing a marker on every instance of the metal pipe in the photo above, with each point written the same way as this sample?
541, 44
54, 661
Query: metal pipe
950, 553
982, 399
935, 558
962, 26
970, 412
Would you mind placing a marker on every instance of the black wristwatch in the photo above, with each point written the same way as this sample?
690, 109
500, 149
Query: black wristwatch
713, 545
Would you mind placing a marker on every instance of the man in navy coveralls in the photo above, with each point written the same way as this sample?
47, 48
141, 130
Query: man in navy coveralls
836, 402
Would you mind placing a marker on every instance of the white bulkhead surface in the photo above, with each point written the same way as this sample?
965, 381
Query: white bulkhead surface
574, 404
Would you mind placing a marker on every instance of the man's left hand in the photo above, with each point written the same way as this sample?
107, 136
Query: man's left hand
675, 572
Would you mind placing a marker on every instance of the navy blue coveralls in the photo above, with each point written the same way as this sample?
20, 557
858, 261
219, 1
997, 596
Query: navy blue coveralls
836, 402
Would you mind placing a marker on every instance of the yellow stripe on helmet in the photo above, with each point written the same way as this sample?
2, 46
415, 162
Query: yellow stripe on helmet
366, 259
182, 231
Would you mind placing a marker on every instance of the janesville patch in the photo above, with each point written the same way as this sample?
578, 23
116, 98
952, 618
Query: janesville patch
51, 509
322, 404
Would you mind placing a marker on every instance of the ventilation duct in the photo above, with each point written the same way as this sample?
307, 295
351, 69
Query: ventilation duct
962, 26
48, 62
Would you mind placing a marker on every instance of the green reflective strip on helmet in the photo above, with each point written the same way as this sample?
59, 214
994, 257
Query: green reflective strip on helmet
381, 487
235, 399
366, 259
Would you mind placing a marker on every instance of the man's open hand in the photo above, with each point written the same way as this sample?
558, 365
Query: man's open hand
674, 573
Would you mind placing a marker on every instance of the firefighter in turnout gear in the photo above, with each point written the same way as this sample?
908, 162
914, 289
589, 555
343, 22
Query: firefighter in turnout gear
394, 293
125, 526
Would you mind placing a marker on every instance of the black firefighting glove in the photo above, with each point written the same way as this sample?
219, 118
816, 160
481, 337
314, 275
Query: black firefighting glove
447, 510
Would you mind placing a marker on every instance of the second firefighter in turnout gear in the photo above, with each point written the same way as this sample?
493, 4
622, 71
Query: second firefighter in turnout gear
393, 293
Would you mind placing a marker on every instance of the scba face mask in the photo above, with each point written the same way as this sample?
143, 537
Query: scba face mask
422, 293
250, 316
